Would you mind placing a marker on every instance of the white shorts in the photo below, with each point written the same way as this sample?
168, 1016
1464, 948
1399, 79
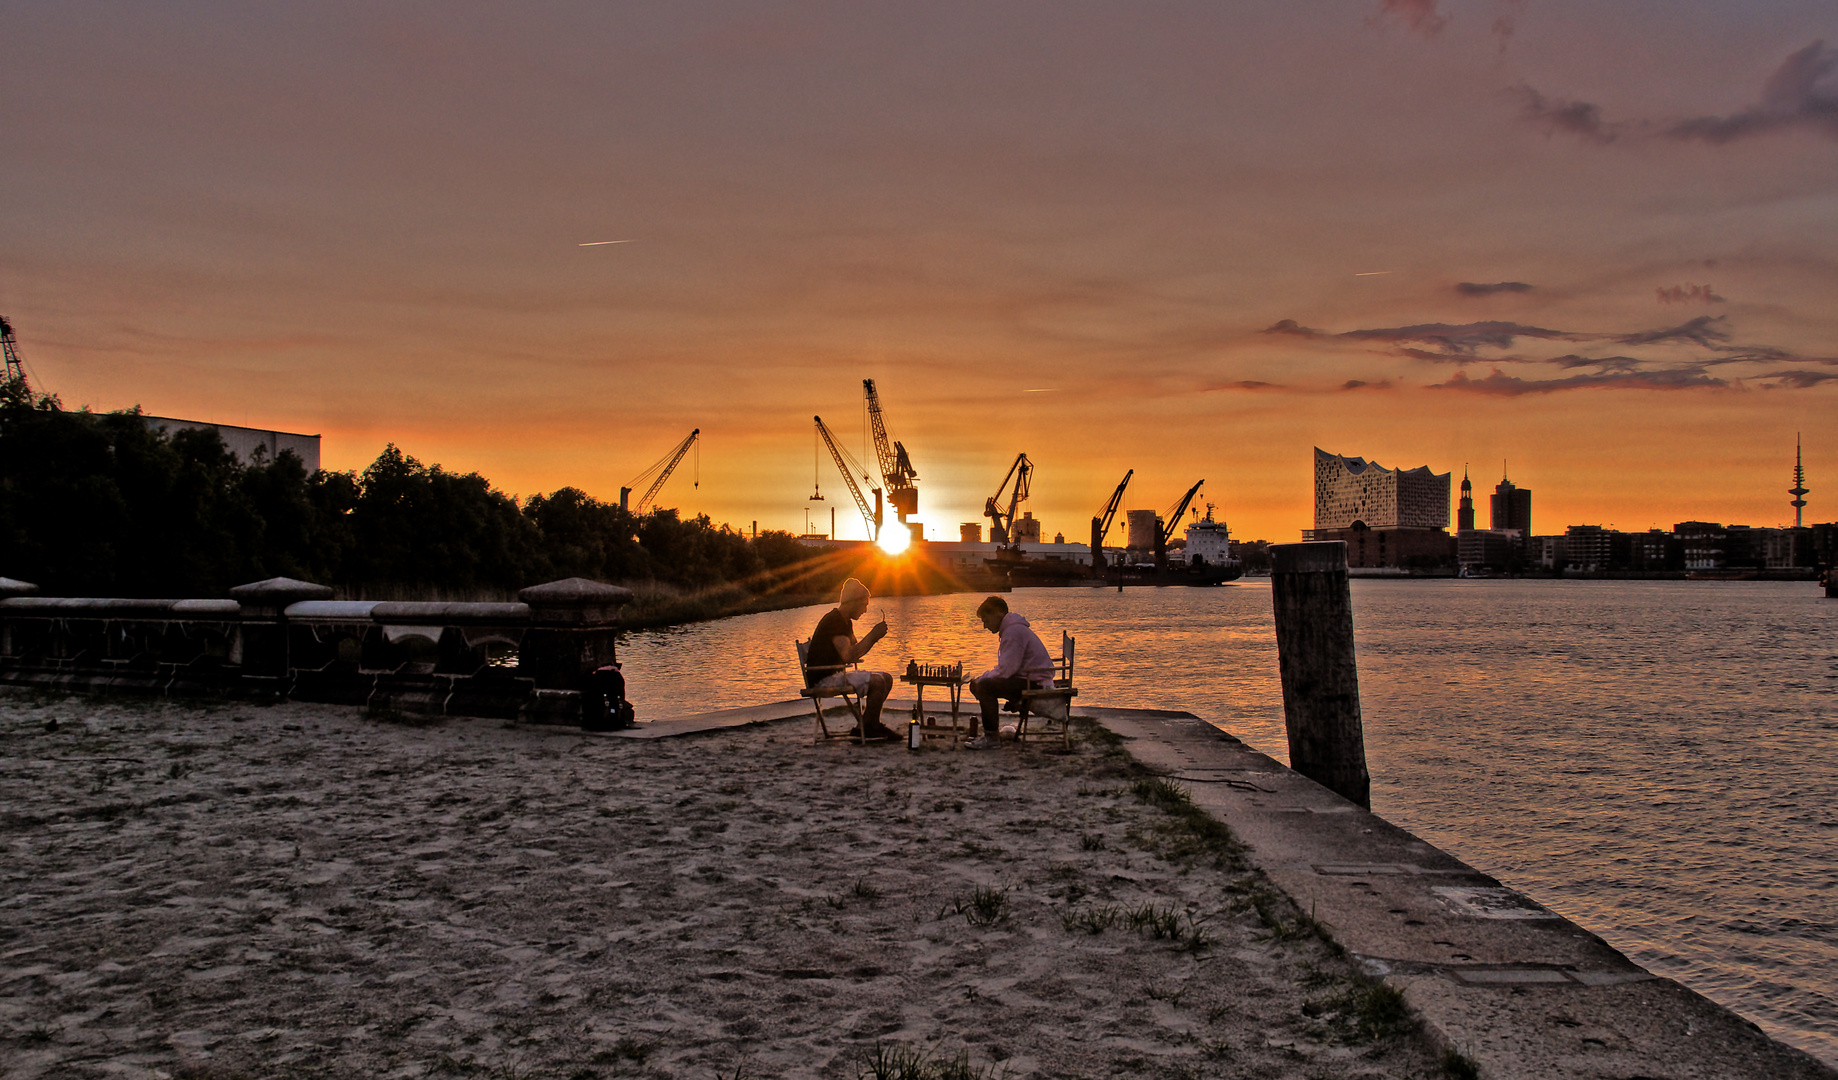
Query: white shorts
857, 680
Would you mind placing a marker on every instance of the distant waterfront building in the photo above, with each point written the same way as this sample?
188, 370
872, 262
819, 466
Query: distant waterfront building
1352, 491
248, 444
1388, 517
1488, 548
970, 532
1702, 542
1027, 530
1588, 548
1464, 518
1511, 507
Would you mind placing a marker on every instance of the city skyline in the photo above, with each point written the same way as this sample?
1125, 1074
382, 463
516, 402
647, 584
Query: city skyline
1194, 241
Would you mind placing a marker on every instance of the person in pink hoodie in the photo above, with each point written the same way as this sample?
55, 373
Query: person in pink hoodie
1021, 663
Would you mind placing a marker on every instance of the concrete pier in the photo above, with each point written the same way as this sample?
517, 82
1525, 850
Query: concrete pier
1520, 990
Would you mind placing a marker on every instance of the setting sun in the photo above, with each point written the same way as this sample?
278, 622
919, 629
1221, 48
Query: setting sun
894, 541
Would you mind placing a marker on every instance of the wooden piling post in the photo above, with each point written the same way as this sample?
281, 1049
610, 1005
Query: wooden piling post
1314, 649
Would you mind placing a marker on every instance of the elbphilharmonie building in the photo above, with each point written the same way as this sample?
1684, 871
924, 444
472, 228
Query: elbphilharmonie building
1351, 491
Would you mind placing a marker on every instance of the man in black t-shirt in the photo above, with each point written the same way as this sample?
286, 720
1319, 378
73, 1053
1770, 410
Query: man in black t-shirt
833, 645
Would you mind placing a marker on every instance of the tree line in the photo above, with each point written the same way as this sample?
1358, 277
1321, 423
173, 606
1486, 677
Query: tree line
102, 504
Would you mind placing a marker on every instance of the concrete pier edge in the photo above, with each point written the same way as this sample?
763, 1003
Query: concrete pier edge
1521, 991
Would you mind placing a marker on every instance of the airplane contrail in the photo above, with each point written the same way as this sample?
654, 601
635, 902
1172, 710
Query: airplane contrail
1372, 273
598, 243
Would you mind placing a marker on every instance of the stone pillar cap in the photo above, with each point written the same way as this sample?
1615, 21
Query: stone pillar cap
574, 592
278, 592
15, 587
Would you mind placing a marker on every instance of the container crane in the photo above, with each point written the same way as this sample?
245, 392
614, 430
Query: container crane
1100, 525
896, 468
849, 467
1166, 532
999, 521
662, 468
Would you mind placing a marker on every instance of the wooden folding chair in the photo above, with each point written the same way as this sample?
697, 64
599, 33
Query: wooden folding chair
1057, 699
816, 695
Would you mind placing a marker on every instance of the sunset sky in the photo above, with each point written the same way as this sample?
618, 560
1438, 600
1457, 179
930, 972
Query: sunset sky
1596, 242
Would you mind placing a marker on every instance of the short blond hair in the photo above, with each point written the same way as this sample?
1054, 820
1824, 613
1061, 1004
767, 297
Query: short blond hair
853, 590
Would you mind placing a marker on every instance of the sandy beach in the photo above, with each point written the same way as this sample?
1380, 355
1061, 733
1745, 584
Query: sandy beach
301, 890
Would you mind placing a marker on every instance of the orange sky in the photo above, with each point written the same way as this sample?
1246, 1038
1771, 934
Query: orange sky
1595, 244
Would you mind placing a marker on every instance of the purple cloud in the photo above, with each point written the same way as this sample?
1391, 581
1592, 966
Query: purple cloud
1687, 294
1463, 338
1579, 118
1802, 92
1501, 384
1802, 380
1420, 16
1475, 288
1702, 330
1292, 328
1361, 384
1619, 364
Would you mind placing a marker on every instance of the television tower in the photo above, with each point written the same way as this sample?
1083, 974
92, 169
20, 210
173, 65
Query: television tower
1798, 491
15, 368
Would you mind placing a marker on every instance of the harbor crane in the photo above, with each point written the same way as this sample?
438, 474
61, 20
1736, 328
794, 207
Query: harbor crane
1100, 525
15, 367
896, 468
849, 467
1001, 522
662, 468
1165, 531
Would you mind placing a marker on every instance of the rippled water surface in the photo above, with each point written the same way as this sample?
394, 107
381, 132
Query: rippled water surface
1656, 760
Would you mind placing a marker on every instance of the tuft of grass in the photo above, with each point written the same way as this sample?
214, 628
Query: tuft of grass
1458, 1066
1190, 834
1162, 793
861, 890
1091, 842
985, 906
988, 905
1092, 920
1365, 1012
900, 1062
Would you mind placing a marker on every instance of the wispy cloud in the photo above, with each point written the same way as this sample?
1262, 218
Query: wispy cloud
1802, 379
1463, 338
1419, 16
1687, 294
1558, 116
1802, 93
1504, 385
1476, 288
1602, 364
1703, 330
1680, 357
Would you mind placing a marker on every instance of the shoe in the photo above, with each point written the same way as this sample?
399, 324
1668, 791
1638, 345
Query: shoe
982, 742
882, 731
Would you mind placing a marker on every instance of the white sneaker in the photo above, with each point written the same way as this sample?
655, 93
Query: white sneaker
983, 742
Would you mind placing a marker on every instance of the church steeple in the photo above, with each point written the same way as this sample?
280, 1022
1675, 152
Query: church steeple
1464, 518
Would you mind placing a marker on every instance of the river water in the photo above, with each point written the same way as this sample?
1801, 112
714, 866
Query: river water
1657, 761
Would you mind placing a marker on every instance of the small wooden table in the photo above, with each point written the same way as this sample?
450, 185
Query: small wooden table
920, 676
